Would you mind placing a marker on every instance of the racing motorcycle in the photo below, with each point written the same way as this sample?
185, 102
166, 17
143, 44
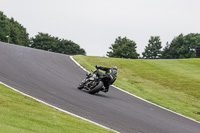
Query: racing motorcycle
93, 83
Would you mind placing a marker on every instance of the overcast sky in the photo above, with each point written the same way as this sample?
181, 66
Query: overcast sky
95, 24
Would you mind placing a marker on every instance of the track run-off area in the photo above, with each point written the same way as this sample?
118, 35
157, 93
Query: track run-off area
53, 78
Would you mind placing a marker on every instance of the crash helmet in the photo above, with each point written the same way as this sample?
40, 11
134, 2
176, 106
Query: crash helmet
114, 68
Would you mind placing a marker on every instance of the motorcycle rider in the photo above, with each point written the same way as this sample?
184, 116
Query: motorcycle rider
111, 74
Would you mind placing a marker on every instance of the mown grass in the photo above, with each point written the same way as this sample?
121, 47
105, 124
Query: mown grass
21, 114
173, 84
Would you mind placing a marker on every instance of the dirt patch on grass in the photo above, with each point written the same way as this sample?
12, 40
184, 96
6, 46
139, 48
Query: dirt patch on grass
198, 113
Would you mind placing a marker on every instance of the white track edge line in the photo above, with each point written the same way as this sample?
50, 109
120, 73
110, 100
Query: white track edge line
140, 97
58, 108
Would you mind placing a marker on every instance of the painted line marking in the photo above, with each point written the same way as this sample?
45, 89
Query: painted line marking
140, 97
58, 108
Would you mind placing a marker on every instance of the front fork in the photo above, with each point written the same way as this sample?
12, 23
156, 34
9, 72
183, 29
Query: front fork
83, 82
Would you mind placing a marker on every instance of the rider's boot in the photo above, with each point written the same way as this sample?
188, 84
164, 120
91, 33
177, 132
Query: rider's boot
105, 89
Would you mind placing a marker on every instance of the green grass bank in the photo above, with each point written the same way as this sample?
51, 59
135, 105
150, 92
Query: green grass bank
171, 83
21, 114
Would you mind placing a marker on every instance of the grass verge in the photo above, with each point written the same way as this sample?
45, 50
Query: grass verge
173, 84
21, 114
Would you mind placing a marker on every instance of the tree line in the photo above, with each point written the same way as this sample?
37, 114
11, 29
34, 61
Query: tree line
182, 46
13, 32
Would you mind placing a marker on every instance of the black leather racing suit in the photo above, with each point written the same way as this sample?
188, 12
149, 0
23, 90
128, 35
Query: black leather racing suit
108, 72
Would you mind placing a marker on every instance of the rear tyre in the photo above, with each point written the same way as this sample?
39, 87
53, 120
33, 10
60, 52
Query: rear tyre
96, 88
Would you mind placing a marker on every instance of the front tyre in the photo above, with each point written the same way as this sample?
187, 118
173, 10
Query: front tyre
81, 86
96, 88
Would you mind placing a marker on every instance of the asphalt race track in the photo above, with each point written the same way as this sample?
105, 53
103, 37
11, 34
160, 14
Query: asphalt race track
53, 78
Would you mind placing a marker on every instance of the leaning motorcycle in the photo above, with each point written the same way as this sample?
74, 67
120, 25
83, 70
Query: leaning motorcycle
93, 83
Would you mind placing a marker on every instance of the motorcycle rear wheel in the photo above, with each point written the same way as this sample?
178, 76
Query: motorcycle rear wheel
97, 88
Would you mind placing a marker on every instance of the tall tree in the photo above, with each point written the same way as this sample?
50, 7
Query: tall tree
123, 48
4, 28
166, 52
45, 41
153, 50
12, 31
18, 34
182, 46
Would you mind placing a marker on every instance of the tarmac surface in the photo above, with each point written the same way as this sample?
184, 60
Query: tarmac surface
54, 78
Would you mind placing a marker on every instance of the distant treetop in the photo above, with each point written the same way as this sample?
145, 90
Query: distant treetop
13, 32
